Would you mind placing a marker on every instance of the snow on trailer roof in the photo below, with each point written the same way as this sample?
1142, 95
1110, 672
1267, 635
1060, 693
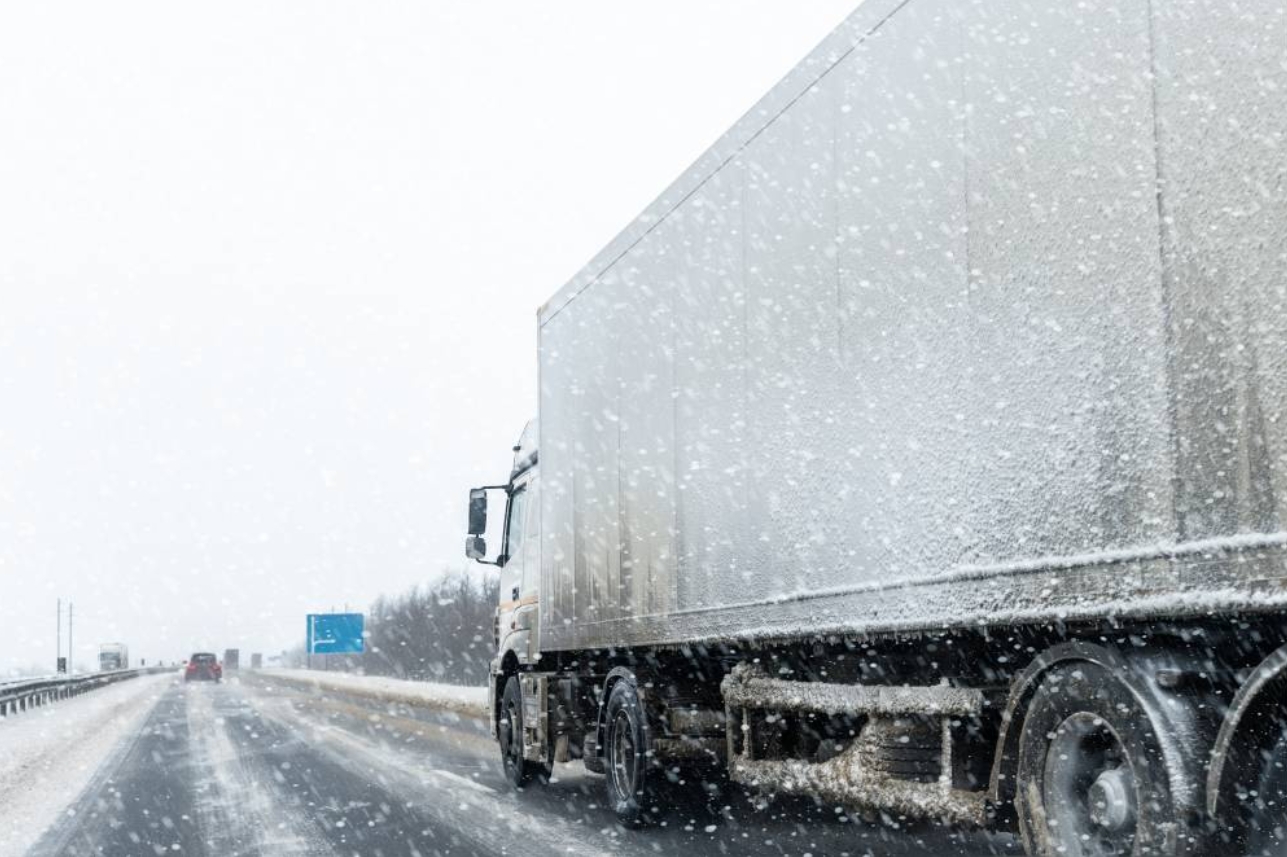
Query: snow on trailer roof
861, 24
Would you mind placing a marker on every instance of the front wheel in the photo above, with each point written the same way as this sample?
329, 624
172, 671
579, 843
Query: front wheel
1092, 780
631, 778
519, 771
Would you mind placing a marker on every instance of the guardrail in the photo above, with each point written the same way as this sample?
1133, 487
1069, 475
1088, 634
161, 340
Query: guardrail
17, 697
10, 682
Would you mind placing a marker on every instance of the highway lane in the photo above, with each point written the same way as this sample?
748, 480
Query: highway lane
251, 767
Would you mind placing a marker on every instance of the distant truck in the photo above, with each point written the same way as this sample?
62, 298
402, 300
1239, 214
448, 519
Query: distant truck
923, 448
113, 656
257, 661
231, 657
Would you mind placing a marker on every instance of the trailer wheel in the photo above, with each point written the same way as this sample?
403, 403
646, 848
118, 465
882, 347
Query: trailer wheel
1267, 826
519, 771
628, 764
1092, 780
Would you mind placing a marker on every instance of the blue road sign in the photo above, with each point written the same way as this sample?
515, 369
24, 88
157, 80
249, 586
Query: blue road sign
335, 633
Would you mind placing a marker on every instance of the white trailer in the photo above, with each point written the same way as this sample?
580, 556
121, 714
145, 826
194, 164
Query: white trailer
924, 446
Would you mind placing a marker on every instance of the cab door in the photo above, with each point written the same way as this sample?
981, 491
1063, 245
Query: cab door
518, 563
527, 614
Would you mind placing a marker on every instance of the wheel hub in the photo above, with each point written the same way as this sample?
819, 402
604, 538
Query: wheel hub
1112, 802
1089, 789
508, 735
623, 755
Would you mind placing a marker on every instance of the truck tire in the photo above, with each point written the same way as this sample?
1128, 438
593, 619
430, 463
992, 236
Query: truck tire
631, 780
1267, 828
509, 732
1091, 779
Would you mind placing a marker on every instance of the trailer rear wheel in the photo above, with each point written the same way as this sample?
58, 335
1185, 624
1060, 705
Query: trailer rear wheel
518, 770
1267, 828
631, 780
1092, 781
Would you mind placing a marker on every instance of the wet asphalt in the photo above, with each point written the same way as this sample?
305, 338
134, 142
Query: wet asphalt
253, 767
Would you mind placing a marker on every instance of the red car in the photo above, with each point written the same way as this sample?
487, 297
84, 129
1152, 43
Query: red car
203, 666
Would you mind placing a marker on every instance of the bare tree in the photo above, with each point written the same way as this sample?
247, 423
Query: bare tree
442, 632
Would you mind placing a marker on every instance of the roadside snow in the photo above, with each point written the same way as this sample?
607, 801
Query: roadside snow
470, 701
50, 754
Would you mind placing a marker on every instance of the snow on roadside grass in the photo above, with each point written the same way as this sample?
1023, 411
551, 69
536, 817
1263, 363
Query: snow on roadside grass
469, 701
50, 754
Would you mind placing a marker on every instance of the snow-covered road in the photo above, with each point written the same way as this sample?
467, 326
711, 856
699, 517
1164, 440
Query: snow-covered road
258, 766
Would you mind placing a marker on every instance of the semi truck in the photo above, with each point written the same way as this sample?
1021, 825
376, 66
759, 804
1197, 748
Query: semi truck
113, 656
231, 659
923, 448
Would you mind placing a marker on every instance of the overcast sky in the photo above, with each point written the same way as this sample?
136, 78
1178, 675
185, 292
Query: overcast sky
269, 273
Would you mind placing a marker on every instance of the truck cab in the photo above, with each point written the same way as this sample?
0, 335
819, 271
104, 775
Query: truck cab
113, 656
518, 557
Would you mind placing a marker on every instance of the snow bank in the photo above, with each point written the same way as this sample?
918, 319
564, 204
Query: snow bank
49, 755
470, 701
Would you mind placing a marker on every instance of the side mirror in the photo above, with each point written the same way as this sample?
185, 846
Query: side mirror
476, 548
477, 511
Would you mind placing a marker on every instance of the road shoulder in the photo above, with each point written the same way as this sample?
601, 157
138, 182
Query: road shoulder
49, 757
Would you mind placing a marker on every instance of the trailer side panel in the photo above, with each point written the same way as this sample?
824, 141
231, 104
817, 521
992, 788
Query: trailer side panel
920, 344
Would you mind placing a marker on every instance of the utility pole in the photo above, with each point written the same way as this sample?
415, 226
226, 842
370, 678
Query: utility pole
58, 657
71, 651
